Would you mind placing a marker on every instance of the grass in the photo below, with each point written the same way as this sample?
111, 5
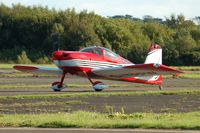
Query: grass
102, 94
188, 68
190, 75
98, 120
22, 86
44, 103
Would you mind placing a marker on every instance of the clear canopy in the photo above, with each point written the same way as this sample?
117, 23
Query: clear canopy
99, 50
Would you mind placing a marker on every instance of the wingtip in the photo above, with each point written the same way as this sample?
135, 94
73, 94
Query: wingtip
167, 68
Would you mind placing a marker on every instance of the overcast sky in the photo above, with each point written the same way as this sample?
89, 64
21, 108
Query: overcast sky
136, 8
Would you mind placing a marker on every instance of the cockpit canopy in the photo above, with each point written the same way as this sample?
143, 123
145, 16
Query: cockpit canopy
101, 51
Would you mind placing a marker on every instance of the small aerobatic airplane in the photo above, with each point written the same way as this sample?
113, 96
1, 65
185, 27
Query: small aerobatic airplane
101, 63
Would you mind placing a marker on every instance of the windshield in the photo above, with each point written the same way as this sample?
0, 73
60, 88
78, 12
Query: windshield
95, 50
109, 53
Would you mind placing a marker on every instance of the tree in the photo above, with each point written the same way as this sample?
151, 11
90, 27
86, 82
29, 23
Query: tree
197, 19
172, 21
185, 43
57, 36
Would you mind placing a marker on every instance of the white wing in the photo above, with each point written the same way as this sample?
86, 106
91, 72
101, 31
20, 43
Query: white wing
38, 69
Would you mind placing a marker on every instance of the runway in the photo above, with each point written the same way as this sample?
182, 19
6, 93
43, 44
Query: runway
85, 130
131, 104
113, 86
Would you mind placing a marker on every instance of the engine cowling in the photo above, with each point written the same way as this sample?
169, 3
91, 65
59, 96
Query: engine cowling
99, 86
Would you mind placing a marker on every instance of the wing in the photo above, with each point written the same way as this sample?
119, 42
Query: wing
136, 71
38, 69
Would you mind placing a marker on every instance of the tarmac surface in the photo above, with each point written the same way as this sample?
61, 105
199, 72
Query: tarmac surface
131, 104
83, 130
114, 86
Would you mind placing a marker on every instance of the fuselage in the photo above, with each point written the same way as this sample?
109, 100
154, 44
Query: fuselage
88, 59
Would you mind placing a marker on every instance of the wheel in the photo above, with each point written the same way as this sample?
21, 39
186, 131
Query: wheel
161, 87
99, 86
56, 86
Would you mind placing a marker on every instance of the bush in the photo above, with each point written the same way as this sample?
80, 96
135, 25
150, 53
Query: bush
43, 60
23, 58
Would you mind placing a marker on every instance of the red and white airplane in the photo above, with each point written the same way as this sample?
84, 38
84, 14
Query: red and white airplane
101, 63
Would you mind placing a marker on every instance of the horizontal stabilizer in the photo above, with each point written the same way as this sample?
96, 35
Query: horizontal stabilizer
136, 70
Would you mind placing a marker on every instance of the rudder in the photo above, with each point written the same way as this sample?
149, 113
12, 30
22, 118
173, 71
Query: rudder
154, 55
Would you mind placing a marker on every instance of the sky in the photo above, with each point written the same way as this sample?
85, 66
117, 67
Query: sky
136, 8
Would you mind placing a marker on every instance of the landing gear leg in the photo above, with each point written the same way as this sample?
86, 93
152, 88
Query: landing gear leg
97, 85
86, 75
58, 86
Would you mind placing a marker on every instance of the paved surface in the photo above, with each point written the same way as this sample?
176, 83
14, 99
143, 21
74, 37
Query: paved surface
114, 86
130, 104
144, 103
82, 130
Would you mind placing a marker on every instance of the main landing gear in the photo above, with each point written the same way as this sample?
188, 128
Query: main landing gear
58, 86
98, 85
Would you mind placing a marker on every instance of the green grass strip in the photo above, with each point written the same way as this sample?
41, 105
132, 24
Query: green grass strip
83, 119
187, 68
104, 94
190, 75
44, 103
22, 86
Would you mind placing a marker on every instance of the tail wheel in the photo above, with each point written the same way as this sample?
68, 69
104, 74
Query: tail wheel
56, 86
99, 86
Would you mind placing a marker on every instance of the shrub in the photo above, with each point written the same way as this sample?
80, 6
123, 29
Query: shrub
23, 58
43, 60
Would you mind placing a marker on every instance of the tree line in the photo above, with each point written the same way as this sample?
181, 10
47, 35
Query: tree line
31, 34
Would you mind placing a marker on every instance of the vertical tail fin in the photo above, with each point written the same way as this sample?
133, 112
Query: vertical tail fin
154, 55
